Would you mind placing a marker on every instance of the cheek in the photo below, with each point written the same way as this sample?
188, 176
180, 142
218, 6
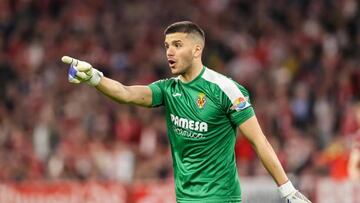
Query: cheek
184, 62
187, 56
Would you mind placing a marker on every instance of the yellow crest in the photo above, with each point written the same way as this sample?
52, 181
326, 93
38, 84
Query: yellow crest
201, 100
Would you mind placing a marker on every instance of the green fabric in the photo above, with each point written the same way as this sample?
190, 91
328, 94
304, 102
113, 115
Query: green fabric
201, 124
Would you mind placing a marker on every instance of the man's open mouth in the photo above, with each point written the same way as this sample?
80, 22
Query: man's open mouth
171, 62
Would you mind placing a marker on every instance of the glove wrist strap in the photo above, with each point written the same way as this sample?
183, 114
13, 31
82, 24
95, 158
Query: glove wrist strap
96, 77
286, 189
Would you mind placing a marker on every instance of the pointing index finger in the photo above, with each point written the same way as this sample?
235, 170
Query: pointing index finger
69, 60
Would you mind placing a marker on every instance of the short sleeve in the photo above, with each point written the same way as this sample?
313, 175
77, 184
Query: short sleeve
157, 93
240, 109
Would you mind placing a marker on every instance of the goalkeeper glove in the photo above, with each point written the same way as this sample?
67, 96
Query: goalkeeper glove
292, 195
81, 71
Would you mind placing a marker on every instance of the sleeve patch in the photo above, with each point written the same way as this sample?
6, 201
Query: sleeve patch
240, 104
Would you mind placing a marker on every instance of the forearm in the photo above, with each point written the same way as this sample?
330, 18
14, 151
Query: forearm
252, 131
114, 90
270, 161
136, 94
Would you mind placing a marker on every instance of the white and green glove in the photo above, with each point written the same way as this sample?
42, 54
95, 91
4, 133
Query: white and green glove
81, 71
292, 195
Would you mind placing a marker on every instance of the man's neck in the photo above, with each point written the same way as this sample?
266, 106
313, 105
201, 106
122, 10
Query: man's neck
192, 73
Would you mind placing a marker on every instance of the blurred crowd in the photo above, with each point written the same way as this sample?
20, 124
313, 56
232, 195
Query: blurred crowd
299, 59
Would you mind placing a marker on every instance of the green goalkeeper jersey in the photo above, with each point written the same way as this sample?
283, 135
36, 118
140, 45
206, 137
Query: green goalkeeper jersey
202, 117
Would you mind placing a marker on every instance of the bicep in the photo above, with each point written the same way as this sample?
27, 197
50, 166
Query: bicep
252, 130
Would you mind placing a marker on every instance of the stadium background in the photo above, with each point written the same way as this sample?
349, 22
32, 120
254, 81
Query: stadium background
64, 143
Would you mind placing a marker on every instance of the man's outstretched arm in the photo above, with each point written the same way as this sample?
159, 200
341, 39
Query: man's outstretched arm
83, 72
252, 131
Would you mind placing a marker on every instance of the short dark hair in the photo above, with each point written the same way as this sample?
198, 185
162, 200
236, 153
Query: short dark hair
185, 27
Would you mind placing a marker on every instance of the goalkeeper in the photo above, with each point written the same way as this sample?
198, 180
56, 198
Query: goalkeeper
203, 111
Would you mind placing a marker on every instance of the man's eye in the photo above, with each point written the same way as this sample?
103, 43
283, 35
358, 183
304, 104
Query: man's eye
177, 45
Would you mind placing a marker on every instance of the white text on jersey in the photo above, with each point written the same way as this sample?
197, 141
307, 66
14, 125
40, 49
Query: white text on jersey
189, 124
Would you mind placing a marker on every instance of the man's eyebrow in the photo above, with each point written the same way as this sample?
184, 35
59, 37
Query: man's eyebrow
172, 42
176, 41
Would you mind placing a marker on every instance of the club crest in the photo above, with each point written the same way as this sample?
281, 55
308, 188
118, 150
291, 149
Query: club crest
201, 100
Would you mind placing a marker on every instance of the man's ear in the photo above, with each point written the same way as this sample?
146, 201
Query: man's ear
197, 51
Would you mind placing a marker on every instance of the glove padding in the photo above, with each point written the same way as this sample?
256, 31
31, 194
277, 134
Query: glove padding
296, 197
81, 71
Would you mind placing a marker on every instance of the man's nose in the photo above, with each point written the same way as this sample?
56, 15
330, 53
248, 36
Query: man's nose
170, 52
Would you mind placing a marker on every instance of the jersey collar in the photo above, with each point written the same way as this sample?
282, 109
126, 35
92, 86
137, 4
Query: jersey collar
195, 79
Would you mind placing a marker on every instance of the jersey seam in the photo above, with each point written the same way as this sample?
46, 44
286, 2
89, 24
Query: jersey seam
218, 96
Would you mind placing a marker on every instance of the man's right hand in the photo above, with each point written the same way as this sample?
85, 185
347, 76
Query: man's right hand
81, 71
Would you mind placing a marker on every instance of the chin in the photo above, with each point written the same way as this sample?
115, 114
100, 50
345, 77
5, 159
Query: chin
175, 71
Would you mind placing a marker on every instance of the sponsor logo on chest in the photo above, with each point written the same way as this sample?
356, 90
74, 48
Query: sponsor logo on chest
189, 124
